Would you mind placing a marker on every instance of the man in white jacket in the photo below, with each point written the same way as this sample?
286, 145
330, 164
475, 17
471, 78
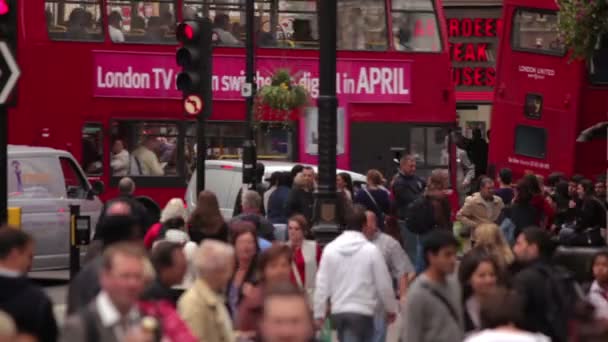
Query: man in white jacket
354, 277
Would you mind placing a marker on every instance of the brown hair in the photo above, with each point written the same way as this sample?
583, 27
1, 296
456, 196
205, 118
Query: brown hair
275, 252
438, 180
501, 307
207, 217
302, 223
129, 249
375, 177
238, 228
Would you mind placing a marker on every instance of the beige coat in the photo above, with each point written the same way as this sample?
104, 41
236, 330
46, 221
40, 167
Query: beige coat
474, 211
204, 312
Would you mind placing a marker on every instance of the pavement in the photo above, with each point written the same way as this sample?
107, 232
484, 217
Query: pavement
55, 284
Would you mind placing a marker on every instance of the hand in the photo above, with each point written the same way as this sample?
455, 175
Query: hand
390, 317
138, 334
572, 204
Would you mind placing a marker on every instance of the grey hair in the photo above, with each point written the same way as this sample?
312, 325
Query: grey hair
251, 199
485, 181
211, 256
407, 157
126, 186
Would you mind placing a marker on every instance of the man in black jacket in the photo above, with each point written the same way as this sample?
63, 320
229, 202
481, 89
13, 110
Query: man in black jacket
170, 264
538, 285
406, 189
301, 198
26, 303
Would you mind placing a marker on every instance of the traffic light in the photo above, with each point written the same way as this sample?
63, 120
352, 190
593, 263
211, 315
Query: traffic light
195, 58
8, 23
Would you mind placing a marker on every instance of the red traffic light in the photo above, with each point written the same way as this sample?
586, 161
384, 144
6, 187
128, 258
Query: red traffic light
4, 9
187, 31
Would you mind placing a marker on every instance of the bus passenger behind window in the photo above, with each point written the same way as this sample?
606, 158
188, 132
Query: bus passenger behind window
115, 27
138, 26
120, 159
302, 31
154, 32
221, 25
353, 35
145, 161
77, 24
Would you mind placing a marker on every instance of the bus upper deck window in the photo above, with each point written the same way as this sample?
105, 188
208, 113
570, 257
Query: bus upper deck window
415, 26
151, 21
537, 31
279, 23
362, 25
74, 20
598, 66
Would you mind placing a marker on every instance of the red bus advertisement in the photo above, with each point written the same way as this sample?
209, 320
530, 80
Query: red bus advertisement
99, 81
543, 101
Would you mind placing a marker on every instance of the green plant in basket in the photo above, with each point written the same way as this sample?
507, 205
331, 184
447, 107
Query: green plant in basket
283, 93
581, 24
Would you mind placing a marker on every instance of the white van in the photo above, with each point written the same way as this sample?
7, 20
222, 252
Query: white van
225, 178
44, 182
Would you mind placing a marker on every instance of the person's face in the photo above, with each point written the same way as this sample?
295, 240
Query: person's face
600, 269
572, 188
340, 183
295, 232
22, 257
523, 250
371, 226
309, 176
408, 167
245, 246
600, 189
487, 191
117, 147
444, 261
580, 191
286, 319
125, 281
175, 274
484, 278
278, 270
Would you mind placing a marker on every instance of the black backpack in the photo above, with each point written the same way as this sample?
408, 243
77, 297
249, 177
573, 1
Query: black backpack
420, 218
563, 295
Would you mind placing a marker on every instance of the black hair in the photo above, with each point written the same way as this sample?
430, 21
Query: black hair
554, 178
436, 240
114, 17
11, 238
469, 264
540, 238
561, 189
533, 184
356, 218
117, 228
588, 187
348, 180
506, 176
259, 171
161, 255
284, 179
501, 307
577, 178
274, 178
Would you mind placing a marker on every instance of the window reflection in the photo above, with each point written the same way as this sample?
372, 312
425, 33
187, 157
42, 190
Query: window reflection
537, 31
362, 25
74, 20
141, 21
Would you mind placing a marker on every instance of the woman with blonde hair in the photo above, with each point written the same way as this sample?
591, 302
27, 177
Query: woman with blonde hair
488, 237
175, 210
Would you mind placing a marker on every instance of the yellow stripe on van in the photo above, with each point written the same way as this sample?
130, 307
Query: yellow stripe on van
14, 217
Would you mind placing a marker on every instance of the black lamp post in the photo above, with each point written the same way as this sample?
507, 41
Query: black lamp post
249, 150
326, 226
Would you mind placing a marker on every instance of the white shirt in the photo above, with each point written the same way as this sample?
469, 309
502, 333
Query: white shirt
111, 317
120, 163
116, 34
8, 273
598, 298
506, 336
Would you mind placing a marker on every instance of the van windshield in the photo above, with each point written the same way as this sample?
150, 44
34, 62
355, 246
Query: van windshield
598, 66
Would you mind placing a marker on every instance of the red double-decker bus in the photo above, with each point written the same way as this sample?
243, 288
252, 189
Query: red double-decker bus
543, 101
99, 81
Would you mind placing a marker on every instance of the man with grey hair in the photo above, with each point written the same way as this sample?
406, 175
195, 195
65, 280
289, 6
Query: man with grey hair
202, 306
126, 187
251, 202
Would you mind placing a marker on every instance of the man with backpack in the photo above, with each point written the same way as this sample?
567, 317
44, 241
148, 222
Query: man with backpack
549, 292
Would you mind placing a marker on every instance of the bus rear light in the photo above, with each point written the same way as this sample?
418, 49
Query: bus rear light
227, 167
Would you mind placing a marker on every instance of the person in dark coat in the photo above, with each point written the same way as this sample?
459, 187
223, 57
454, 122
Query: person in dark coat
478, 152
276, 203
260, 188
26, 303
301, 198
119, 225
170, 264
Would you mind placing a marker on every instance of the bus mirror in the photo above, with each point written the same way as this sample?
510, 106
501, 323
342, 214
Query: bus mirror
97, 187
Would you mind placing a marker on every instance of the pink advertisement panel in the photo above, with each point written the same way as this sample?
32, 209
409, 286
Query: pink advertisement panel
136, 75
120, 74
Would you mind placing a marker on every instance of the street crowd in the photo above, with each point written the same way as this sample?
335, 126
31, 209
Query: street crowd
451, 269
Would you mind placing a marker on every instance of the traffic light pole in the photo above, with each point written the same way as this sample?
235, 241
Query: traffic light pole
249, 148
206, 93
3, 164
325, 226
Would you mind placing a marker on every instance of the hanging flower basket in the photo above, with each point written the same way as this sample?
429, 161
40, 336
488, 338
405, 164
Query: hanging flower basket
275, 103
581, 24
